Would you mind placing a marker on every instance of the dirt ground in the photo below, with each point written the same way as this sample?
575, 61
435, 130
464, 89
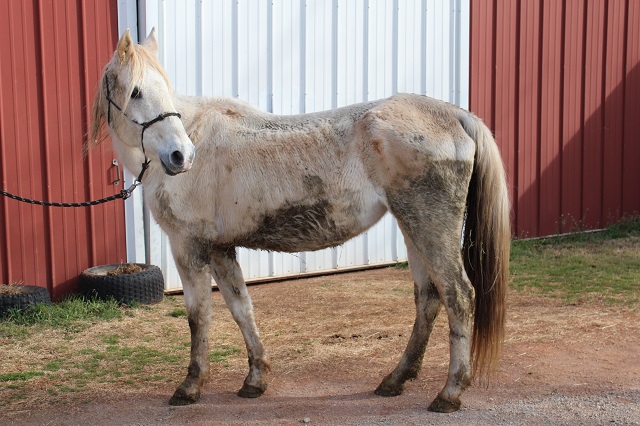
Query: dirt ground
562, 363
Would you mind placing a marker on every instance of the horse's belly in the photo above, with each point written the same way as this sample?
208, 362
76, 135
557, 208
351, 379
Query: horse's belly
309, 227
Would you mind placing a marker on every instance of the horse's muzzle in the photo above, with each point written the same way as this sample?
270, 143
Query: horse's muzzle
177, 162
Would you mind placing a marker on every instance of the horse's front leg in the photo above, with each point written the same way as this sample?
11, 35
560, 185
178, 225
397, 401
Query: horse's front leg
228, 276
196, 281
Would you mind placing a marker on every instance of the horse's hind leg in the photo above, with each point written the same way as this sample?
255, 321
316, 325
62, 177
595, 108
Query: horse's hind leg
431, 213
228, 276
447, 272
427, 307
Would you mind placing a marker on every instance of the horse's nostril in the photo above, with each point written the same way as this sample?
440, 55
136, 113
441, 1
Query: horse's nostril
177, 159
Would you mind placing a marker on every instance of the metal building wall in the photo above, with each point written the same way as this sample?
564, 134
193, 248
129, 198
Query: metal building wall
559, 84
51, 57
296, 56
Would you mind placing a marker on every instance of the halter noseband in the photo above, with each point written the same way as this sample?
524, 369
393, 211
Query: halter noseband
144, 125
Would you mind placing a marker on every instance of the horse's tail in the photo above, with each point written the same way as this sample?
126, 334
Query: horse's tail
486, 245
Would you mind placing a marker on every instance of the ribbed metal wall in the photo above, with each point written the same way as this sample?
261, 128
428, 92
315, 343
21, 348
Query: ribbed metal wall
559, 83
296, 56
51, 57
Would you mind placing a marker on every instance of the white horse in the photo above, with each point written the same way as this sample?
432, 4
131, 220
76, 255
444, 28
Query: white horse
222, 174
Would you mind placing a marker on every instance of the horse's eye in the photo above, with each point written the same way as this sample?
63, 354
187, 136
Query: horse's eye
136, 93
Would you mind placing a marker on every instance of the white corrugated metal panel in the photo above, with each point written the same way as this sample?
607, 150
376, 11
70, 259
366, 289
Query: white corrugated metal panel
296, 56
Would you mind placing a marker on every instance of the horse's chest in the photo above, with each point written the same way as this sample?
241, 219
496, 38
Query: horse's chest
179, 216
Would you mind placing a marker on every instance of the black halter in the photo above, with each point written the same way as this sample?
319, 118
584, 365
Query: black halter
144, 125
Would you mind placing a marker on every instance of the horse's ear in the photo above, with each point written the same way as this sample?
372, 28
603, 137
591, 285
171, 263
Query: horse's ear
151, 42
125, 47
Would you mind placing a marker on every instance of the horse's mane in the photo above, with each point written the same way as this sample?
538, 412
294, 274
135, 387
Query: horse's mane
139, 59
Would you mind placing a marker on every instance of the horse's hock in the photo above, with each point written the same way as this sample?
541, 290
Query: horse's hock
127, 284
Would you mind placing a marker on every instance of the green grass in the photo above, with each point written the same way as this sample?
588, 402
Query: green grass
53, 366
626, 228
178, 312
20, 376
221, 353
107, 360
106, 363
401, 265
111, 339
603, 265
73, 314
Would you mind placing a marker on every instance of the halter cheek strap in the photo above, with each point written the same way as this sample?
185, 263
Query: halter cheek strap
145, 125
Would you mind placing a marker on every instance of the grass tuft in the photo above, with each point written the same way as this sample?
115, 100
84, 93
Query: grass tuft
74, 314
221, 353
178, 312
20, 376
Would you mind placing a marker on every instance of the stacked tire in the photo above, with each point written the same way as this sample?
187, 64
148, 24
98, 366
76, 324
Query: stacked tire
144, 287
22, 297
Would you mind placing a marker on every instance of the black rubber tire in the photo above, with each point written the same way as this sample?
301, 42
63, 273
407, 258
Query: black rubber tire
144, 287
28, 295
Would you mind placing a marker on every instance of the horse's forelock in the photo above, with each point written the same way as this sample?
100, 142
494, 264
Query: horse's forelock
146, 58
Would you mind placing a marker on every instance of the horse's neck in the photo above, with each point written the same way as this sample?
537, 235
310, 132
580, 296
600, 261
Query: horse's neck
189, 107
192, 107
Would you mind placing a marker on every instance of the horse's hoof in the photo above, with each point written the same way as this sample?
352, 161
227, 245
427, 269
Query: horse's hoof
180, 397
249, 391
441, 405
387, 390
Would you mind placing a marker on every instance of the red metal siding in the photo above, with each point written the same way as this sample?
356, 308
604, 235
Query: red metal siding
550, 118
631, 140
528, 102
572, 113
558, 83
506, 55
51, 57
593, 114
613, 137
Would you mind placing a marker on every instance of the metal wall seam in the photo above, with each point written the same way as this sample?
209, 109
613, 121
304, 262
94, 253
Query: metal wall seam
89, 191
5, 264
613, 131
631, 149
51, 266
571, 167
592, 160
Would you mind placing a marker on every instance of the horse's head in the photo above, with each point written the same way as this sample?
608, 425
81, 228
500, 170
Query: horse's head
134, 100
